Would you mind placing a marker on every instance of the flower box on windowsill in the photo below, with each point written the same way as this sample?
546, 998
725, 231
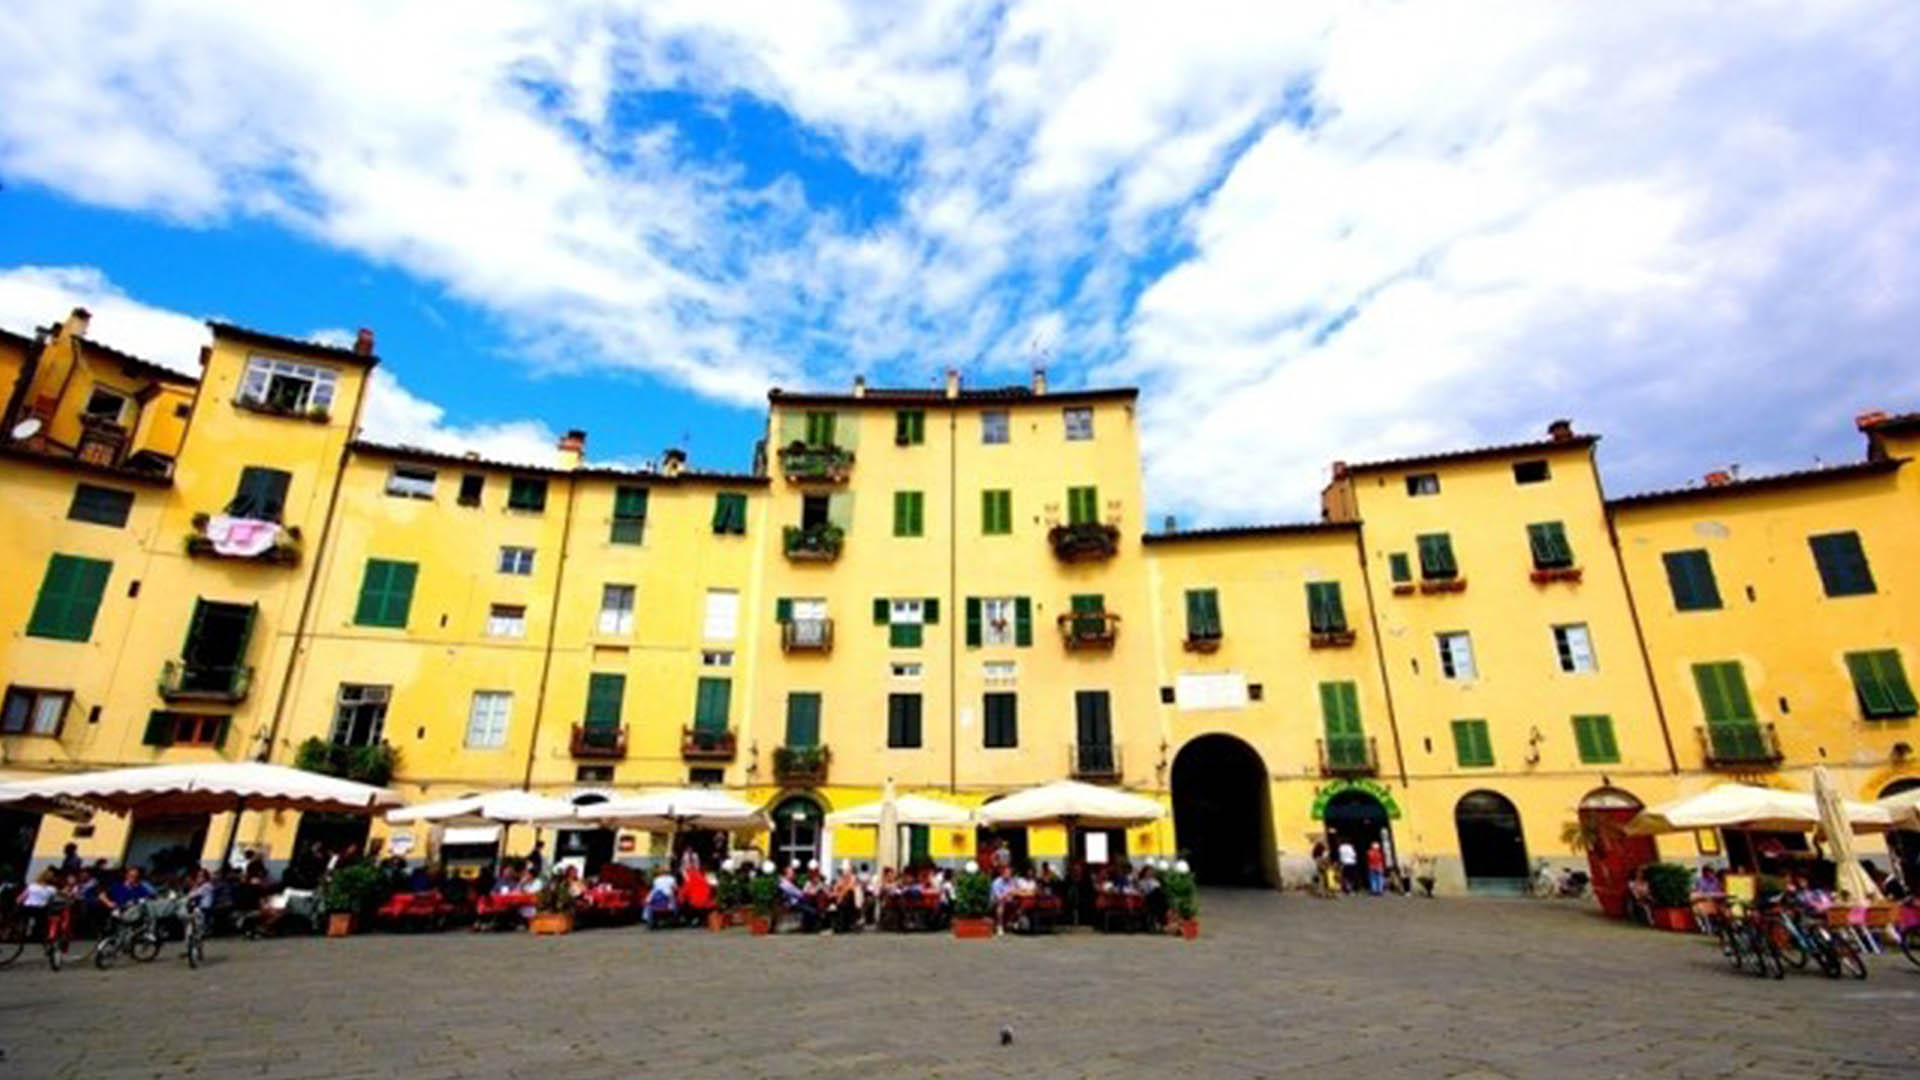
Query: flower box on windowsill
1084, 541
1330, 639
1444, 585
1548, 575
316, 416
1403, 588
1202, 644
801, 463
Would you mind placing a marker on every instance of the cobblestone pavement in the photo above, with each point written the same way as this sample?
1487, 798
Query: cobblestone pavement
1276, 986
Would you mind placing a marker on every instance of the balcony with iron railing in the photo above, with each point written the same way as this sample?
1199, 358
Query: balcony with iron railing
595, 742
803, 463
807, 635
1089, 629
1740, 746
181, 681
702, 744
1084, 542
1098, 762
801, 764
818, 543
1356, 755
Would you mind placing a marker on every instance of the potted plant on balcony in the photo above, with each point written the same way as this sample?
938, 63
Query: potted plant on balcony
1672, 887
1183, 901
349, 893
553, 906
764, 890
972, 900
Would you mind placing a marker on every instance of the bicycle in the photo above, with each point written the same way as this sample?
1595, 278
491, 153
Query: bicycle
196, 935
133, 930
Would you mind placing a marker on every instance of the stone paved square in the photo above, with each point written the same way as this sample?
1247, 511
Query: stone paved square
1277, 986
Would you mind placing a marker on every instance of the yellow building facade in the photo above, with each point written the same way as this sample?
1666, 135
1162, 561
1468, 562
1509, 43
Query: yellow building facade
954, 590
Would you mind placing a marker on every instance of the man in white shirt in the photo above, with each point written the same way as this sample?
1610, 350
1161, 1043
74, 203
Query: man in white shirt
1349, 866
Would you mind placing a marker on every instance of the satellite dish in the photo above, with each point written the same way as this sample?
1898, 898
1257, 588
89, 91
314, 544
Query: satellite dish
26, 429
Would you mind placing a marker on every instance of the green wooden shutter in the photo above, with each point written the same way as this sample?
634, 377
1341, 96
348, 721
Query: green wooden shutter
629, 515
1472, 746
373, 591
711, 705
919, 845
1723, 693
930, 611
819, 429
1083, 505
1548, 541
1022, 621
1399, 566
803, 720
1690, 577
1842, 563
1594, 737
1880, 682
1203, 614
973, 622
69, 598
606, 692
386, 593
1436, 556
160, 727
400, 593
783, 610
996, 512
1326, 613
882, 611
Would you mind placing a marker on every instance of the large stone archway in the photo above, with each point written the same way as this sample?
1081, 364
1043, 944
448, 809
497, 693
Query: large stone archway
1221, 818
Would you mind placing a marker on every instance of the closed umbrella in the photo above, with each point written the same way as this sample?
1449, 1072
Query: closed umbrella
1745, 806
887, 851
1849, 875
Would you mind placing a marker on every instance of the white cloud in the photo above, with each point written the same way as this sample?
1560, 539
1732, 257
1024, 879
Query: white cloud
33, 296
1311, 230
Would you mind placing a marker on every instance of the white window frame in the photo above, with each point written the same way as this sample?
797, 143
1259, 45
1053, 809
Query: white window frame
517, 561
357, 694
906, 670
507, 621
617, 617
488, 718
1000, 672
1004, 606
120, 403
906, 611
411, 481
720, 619
716, 658
1078, 421
987, 429
44, 711
261, 371
1419, 487
1456, 656
1573, 648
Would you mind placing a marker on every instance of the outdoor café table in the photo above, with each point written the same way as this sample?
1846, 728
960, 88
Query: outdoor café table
1037, 912
1128, 909
416, 910
608, 901
495, 908
915, 910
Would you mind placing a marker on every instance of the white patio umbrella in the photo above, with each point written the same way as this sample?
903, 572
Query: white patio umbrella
674, 809
908, 810
1849, 875
1071, 803
510, 807
205, 788
1745, 806
1905, 808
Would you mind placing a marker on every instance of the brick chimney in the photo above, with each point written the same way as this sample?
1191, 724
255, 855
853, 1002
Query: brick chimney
1560, 431
572, 447
363, 342
953, 382
859, 386
1339, 470
1039, 380
1868, 420
673, 462
77, 323
1718, 478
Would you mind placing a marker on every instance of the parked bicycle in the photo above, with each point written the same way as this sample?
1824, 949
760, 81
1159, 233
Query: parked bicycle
1551, 884
134, 931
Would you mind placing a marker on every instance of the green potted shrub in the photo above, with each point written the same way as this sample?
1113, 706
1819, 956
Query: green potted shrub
731, 895
553, 906
764, 892
1671, 886
349, 893
972, 901
1183, 900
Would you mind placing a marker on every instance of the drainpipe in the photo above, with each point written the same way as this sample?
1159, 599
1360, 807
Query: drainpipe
553, 630
1633, 612
954, 612
1380, 650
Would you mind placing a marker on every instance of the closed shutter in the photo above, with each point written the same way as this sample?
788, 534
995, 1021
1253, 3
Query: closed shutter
1203, 614
1399, 566
1002, 724
1723, 693
903, 721
930, 611
882, 611
1083, 505
1593, 735
1326, 613
1880, 682
711, 705
160, 729
1842, 563
1093, 718
1436, 556
783, 610
819, 429
803, 720
1471, 745
973, 622
1690, 577
629, 515
605, 694
69, 598
1022, 621
386, 593
1548, 540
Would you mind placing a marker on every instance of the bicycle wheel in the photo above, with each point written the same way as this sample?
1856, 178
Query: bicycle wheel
145, 947
1910, 945
1850, 959
13, 941
1788, 946
104, 952
1823, 953
1730, 946
196, 949
1770, 960
55, 955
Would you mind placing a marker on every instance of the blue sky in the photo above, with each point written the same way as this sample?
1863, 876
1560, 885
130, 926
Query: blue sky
1309, 232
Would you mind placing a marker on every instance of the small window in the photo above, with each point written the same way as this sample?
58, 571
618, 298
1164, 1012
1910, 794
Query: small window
360, 717
803, 720
1530, 472
996, 512
261, 494
602, 774
104, 404
1000, 672
1690, 576
1400, 567
1326, 612
1079, 421
1456, 655
1842, 563
997, 618
100, 505
1425, 483
1083, 505
908, 670
909, 427
507, 621
722, 617
411, 482
1472, 748
1593, 736
1203, 615
517, 561
705, 777
487, 719
527, 493
1574, 648
167, 728
730, 514
909, 513
995, 428
1000, 714
616, 609
182, 411
903, 721
287, 387
29, 711
716, 658
471, 485
629, 516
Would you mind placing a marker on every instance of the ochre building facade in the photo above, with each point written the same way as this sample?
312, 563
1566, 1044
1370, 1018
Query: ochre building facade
1469, 656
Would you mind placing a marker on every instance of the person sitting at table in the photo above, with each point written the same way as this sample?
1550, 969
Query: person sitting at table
1049, 882
1003, 898
847, 901
663, 899
799, 901
1156, 897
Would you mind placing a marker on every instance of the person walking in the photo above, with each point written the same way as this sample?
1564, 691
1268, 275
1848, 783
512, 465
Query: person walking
1376, 869
1423, 873
1349, 867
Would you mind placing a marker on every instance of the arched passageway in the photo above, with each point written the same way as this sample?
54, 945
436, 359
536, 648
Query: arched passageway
1493, 851
1221, 821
